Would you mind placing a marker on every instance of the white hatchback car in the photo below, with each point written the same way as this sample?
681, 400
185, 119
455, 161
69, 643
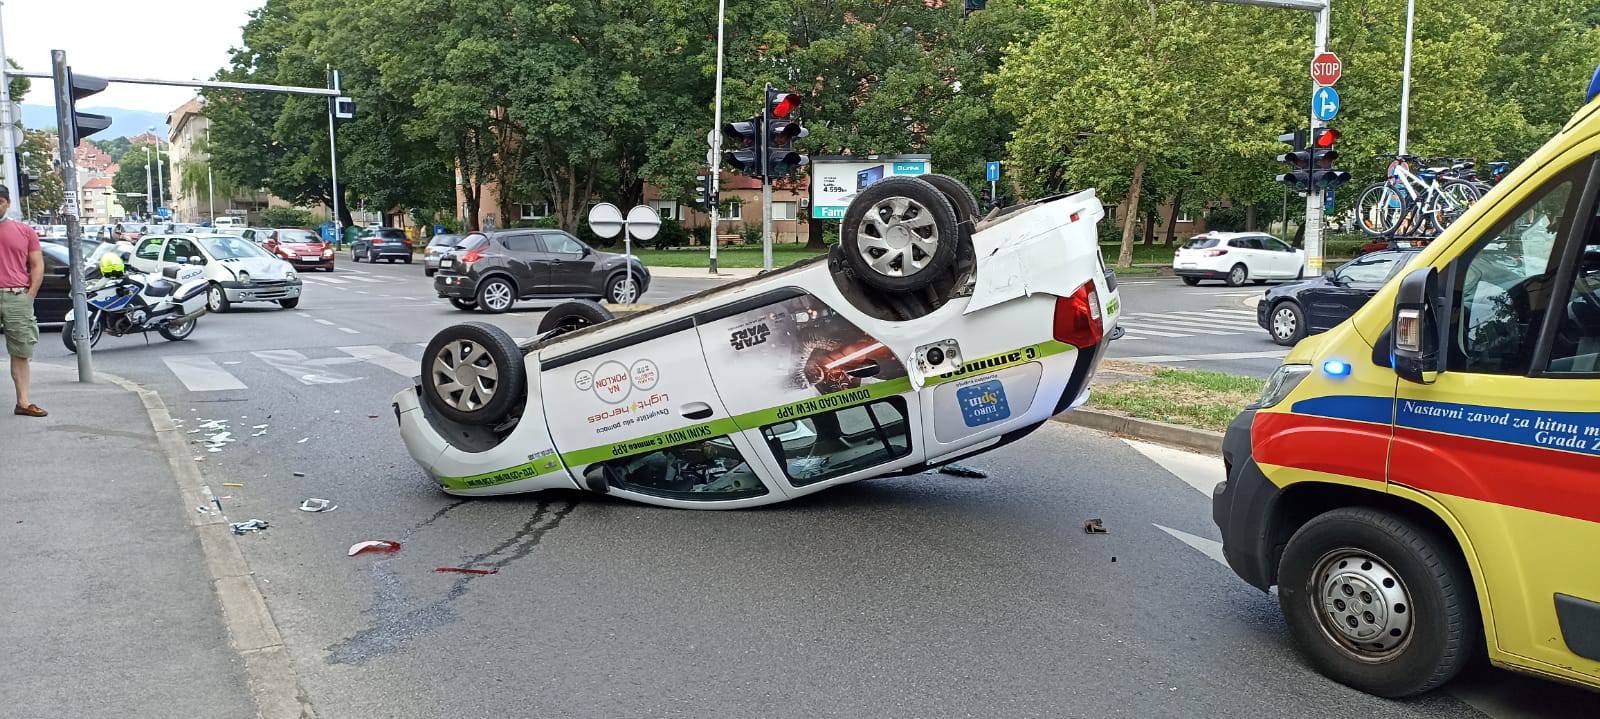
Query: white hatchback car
924, 337
238, 270
1237, 257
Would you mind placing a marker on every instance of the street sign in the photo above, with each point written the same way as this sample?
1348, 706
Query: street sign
1325, 103
605, 220
161, 212
994, 171
1327, 201
644, 222
1326, 68
69, 203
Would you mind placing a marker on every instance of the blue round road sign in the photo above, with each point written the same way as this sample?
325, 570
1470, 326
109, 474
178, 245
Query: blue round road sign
1325, 103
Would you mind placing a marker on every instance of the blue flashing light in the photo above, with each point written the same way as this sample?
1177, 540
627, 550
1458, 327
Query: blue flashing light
1336, 368
1594, 86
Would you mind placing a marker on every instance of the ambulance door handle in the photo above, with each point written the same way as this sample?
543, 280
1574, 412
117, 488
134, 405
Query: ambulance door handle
695, 410
870, 369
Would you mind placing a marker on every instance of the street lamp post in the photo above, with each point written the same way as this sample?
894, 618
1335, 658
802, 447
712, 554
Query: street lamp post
149, 199
211, 195
161, 183
1405, 76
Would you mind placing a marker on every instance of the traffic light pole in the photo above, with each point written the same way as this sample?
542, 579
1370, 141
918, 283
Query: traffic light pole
69, 180
766, 182
716, 143
1314, 198
333, 158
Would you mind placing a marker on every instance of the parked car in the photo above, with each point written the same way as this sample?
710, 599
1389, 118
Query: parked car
1235, 257
127, 231
919, 340
239, 270
438, 245
257, 235
230, 222
382, 243
301, 247
1291, 311
490, 271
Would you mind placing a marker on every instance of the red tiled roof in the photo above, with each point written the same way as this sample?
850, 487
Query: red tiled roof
98, 183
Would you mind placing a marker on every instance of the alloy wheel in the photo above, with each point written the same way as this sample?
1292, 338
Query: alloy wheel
624, 292
496, 296
465, 375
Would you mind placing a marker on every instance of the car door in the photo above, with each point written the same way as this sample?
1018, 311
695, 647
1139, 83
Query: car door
146, 255
1506, 440
1285, 261
639, 416
1255, 256
181, 251
55, 292
572, 267
1347, 289
528, 262
823, 401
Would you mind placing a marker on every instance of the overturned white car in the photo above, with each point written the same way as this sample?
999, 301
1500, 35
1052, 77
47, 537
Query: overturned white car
926, 336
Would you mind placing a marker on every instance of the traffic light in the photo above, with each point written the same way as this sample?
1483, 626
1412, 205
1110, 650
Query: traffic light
1324, 176
745, 157
24, 180
84, 124
782, 129
1298, 159
705, 197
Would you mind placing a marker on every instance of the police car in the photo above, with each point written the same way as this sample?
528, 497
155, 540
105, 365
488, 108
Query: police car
927, 335
1422, 482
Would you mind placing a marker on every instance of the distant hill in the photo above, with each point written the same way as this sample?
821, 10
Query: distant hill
124, 123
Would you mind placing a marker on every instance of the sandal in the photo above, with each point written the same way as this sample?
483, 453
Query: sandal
31, 410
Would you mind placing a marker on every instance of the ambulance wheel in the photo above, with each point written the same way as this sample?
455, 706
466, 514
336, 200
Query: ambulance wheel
1377, 603
900, 235
473, 373
574, 315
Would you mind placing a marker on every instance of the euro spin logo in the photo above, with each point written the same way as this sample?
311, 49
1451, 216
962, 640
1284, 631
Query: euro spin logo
613, 381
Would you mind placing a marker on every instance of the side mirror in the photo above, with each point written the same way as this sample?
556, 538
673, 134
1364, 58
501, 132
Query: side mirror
197, 260
1417, 328
586, 251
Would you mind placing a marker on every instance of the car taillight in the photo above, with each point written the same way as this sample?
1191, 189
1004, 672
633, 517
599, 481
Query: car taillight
1078, 320
471, 257
1216, 253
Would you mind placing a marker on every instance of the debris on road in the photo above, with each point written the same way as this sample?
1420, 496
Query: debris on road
259, 426
465, 570
314, 504
203, 509
302, 440
299, 474
252, 525
233, 484
1095, 526
961, 470
374, 545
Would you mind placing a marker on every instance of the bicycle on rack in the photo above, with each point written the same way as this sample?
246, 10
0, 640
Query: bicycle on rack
1420, 204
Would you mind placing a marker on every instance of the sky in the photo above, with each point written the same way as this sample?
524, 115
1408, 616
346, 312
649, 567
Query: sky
165, 39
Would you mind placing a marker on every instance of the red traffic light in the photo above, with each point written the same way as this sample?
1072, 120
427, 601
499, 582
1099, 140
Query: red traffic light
1324, 137
781, 104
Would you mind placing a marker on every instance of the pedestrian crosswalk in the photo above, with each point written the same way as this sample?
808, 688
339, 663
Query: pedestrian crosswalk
1189, 323
347, 278
236, 371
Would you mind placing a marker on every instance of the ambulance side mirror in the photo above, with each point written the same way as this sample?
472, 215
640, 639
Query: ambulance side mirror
1416, 331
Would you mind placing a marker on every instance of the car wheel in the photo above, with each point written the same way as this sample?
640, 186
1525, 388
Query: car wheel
289, 303
427, 272
1377, 603
408, 259
178, 332
622, 290
216, 299
1238, 275
1191, 281
96, 330
473, 373
496, 295
573, 316
960, 196
1259, 282
900, 235
1286, 324
462, 304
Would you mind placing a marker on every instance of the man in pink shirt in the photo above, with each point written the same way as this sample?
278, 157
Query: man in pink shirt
21, 273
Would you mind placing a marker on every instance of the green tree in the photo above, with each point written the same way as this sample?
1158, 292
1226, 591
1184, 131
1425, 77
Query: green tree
286, 217
115, 147
36, 151
130, 178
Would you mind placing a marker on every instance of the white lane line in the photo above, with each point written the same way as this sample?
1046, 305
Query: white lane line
1201, 471
1202, 319
1273, 354
371, 280
1216, 311
1209, 547
359, 292
1147, 331
392, 361
349, 331
1126, 338
1176, 326
323, 322
307, 371
200, 374
328, 280
410, 299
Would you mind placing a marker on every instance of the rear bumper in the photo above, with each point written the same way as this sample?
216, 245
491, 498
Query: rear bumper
1242, 507
455, 286
388, 251
1201, 272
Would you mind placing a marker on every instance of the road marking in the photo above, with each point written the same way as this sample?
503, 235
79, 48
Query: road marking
1216, 311
371, 280
1230, 322
200, 374
349, 331
359, 292
412, 299
323, 322
1176, 326
1153, 333
1272, 354
1209, 547
307, 371
1201, 471
392, 361
328, 280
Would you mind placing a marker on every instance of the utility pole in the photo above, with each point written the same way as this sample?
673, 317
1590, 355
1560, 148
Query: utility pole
211, 195
149, 199
1405, 75
10, 124
65, 122
333, 156
716, 141
766, 182
1314, 198
161, 183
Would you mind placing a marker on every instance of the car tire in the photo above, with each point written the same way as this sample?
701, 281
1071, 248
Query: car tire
1286, 323
960, 196
1191, 281
1259, 282
574, 315
217, 299
473, 373
1414, 597
289, 303
427, 272
1237, 275
182, 333
496, 295
96, 331
617, 292
408, 259
463, 304
900, 235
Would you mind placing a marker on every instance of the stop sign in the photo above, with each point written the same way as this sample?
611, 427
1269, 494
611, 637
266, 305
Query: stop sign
1326, 68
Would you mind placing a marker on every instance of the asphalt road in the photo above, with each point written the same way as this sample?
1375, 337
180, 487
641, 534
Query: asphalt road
1208, 327
923, 596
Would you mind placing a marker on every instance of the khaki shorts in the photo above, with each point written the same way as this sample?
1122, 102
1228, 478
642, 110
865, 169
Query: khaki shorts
16, 315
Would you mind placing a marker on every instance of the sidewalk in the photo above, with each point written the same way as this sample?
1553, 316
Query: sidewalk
107, 605
700, 273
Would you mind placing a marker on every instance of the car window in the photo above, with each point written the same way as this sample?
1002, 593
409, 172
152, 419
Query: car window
179, 247
444, 240
1503, 283
833, 444
1200, 243
391, 233
54, 255
474, 241
1577, 340
298, 236
150, 249
562, 243
707, 470
1247, 243
225, 247
1276, 245
523, 242
1370, 269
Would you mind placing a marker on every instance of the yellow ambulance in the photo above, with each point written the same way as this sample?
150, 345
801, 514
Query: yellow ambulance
1422, 482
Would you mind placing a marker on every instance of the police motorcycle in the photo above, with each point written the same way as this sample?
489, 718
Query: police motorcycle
124, 302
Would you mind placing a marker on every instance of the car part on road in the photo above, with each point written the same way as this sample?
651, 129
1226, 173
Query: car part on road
961, 470
1377, 602
376, 546
314, 504
465, 570
473, 373
1095, 526
573, 316
1288, 324
249, 525
496, 295
900, 235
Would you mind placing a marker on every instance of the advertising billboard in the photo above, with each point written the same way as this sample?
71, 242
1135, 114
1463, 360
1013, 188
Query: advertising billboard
836, 180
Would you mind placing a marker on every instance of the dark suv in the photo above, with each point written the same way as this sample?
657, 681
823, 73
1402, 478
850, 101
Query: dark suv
492, 270
383, 243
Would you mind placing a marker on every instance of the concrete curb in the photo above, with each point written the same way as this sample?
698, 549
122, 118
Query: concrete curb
1198, 440
251, 630
701, 273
